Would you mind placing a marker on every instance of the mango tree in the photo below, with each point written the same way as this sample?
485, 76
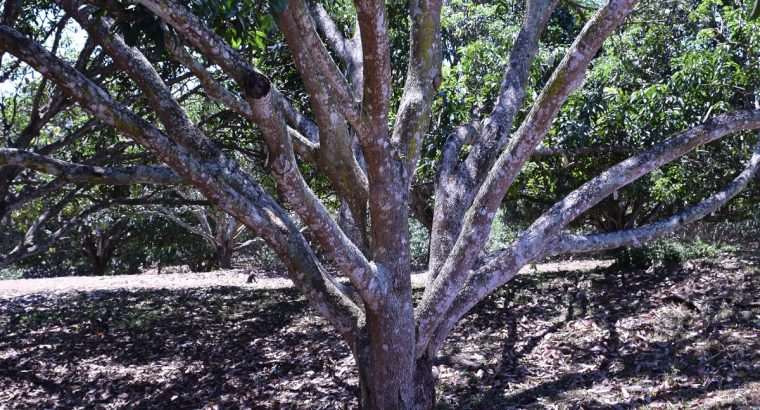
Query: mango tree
347, 133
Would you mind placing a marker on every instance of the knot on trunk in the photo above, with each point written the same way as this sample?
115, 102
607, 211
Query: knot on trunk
257, 85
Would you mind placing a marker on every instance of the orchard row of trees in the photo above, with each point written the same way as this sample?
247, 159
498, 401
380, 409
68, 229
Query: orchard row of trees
590, 126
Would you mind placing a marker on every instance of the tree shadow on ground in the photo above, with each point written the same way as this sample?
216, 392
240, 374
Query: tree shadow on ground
568, 340
161, 348
581, 339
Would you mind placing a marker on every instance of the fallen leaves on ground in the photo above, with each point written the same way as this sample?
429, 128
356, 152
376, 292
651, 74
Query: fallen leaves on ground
581, 339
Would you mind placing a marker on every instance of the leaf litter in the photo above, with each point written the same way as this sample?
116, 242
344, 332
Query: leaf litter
551, 339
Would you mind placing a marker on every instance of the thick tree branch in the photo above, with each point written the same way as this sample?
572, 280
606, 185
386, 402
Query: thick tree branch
532, 243
571, 243
478, 219
422, 80
457, 184
566, 78
309, 47
348, 50
335, 304
451, 242
291, 183
336, 157
387, 202
373, 26
330, 31
218, 51
201, 37
79, 173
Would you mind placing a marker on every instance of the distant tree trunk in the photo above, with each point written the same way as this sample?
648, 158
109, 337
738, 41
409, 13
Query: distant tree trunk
98, 247
217, 228
99, 267
199, 263
224, 254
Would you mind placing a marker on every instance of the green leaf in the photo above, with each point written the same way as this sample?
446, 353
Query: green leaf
259, 43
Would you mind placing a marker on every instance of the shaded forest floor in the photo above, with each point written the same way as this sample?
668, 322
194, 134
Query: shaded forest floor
684, 337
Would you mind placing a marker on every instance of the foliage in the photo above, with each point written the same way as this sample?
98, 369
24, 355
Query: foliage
503, 233
665, 252
11, 273
420, 243
155, 243
652, 80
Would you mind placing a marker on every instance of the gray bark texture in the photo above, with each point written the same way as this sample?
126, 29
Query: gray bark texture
369, 162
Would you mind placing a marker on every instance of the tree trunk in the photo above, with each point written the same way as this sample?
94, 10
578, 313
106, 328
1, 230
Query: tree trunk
99, 267
224, 256
389, 377
384, 394
424, 384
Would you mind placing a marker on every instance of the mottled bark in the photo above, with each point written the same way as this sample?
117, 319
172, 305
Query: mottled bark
453, 240
79, 173
335, 155
422, 81
457, 184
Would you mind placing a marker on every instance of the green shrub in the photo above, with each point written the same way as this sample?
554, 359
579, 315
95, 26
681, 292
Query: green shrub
663, 253
11, 273
503, 234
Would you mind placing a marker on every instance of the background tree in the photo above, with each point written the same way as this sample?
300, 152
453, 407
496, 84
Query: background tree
39, 120
99, 243
222, 233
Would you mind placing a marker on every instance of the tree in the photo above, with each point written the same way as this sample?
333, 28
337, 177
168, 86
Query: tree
99, 244
369, 160
38, 120
222, 232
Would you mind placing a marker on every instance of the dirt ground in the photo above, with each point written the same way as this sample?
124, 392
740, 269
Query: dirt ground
180, 278
559, 336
